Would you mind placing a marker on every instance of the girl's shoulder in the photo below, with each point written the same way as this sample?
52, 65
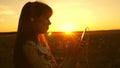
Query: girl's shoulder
30, 43
42, 49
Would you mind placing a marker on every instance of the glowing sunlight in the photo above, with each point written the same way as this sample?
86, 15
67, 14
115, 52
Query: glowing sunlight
67, 27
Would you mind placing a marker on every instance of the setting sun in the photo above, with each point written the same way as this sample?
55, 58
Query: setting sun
68, 33
67, 27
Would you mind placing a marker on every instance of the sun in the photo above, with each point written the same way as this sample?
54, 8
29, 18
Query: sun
68, 33
67, 28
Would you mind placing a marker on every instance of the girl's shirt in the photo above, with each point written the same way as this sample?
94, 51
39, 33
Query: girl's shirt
37, 56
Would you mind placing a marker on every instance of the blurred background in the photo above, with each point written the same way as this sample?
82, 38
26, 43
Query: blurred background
69, 20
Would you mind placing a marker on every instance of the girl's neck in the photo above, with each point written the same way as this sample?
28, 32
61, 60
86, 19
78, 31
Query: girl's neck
42, 39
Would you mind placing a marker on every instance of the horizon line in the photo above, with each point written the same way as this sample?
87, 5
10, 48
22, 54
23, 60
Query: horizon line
64, 31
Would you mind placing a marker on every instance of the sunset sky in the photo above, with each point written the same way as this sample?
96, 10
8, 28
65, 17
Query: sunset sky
68, 15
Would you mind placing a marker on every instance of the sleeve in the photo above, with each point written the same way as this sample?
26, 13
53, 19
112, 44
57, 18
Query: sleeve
32, 56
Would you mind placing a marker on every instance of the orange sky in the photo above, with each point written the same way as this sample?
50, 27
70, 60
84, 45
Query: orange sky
68, 15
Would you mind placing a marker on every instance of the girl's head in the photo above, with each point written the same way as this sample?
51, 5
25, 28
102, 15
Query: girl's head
34, 18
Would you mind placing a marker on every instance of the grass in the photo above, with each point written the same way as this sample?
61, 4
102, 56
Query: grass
6, 51
103, 49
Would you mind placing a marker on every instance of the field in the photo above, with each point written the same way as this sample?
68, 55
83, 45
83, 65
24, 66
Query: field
102, 49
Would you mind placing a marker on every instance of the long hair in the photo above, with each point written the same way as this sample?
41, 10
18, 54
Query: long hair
27, 23
27, 27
